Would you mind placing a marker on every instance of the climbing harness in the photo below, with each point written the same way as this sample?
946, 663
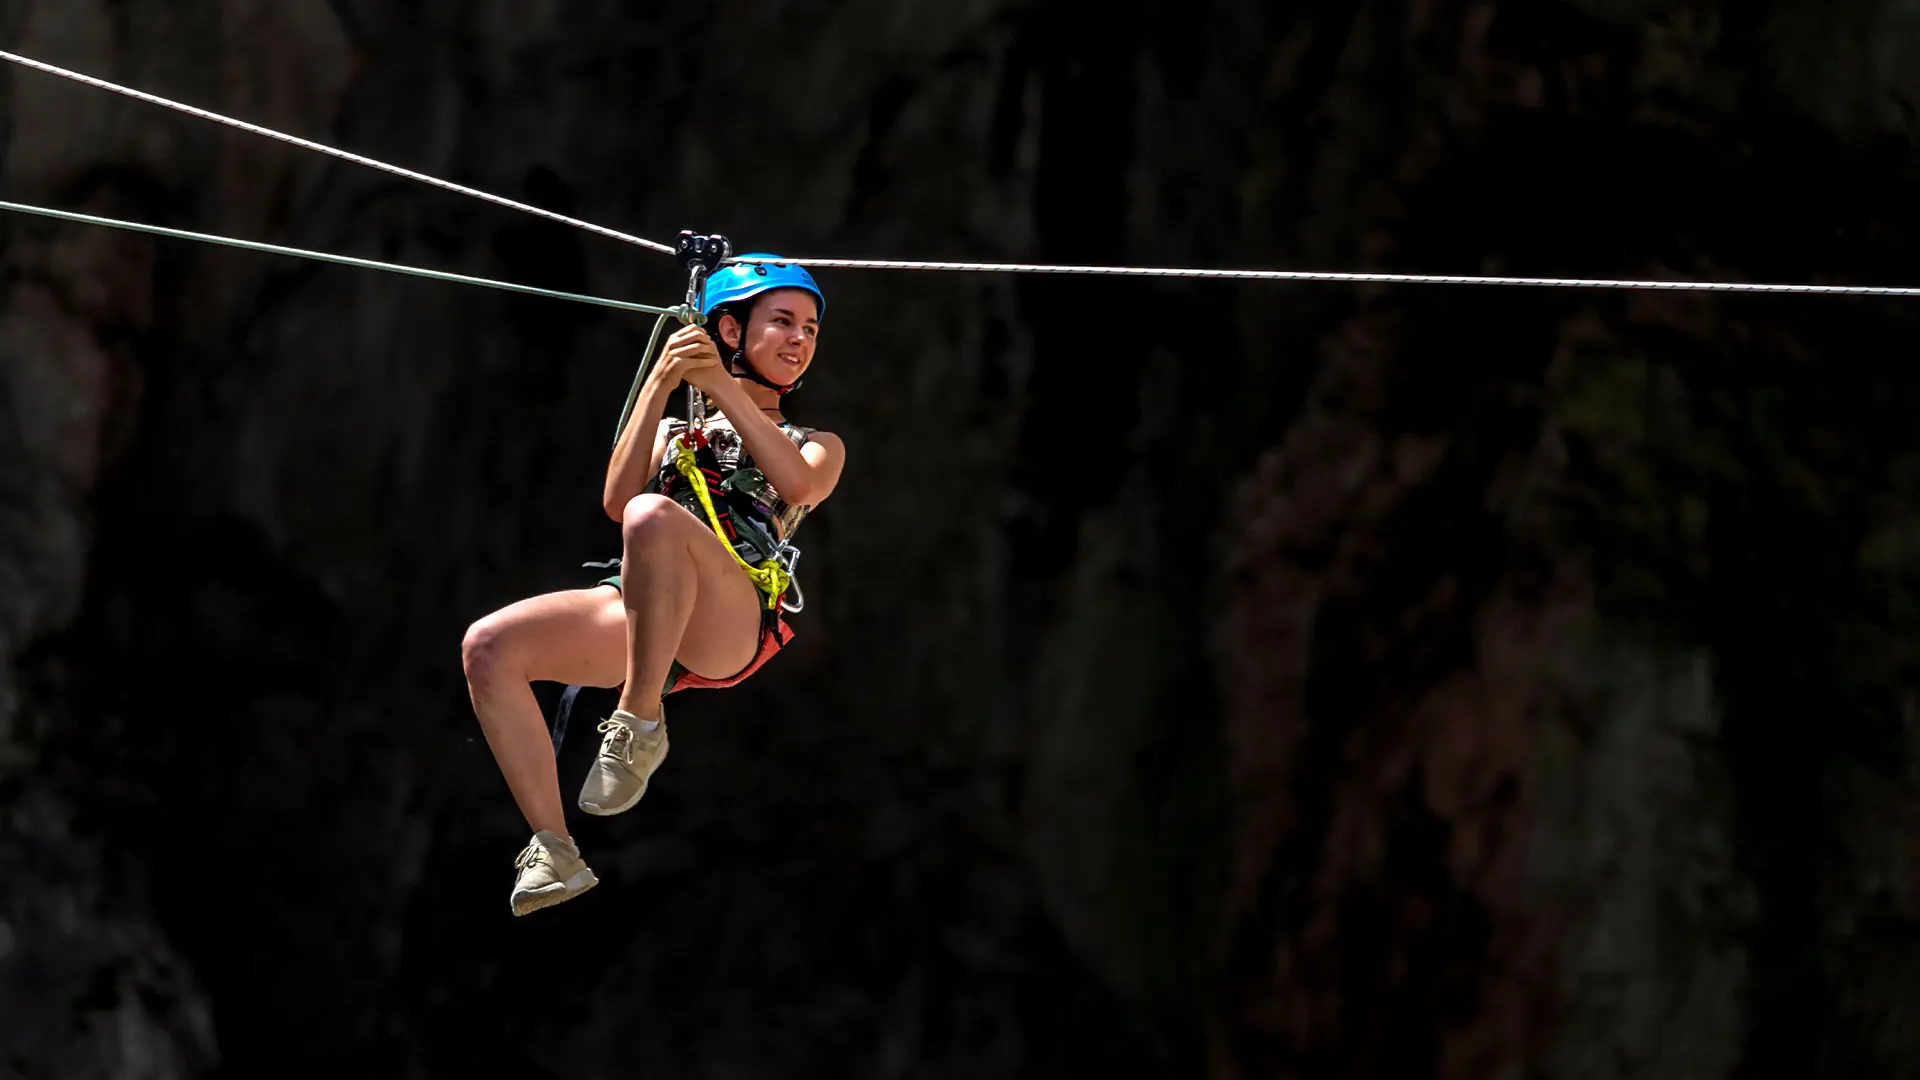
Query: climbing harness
701, 255
774, 575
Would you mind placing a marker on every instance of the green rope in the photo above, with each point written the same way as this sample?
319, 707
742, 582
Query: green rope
680, 312
639, 378
646, 363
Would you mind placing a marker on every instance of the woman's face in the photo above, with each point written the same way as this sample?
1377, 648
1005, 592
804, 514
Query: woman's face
780, 334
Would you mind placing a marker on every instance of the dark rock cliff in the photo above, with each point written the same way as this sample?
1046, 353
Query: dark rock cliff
1197, 679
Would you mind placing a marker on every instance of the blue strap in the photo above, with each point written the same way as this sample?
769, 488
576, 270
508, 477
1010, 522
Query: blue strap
561, 715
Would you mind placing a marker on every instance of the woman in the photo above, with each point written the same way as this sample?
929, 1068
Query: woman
682, 611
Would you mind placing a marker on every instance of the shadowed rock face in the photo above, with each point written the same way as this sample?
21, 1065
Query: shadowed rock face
1196, 680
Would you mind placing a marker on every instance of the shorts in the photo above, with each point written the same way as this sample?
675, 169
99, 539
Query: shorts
774, 635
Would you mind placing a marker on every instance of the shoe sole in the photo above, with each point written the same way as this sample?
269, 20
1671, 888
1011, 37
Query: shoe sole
638, 793
557, 893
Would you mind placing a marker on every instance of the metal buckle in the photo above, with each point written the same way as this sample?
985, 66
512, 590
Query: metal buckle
788, 557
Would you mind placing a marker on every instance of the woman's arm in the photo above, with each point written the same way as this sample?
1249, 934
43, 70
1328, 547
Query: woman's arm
803, 475
627, 469
623, 486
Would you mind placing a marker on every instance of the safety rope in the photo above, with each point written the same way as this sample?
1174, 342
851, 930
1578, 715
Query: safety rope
639, 378
997, 268
344, 260
769, 577
306, 144
1315, 275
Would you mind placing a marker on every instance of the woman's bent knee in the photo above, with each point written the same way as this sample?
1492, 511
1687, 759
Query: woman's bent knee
570, 637
483, 652
650, 520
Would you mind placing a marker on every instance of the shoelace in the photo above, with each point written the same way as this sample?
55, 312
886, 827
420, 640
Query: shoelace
619, 740
531, 854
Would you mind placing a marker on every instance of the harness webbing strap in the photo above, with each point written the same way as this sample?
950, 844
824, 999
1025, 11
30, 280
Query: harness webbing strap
561, 714
769, 577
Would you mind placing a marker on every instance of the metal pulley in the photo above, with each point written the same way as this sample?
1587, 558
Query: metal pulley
699, 255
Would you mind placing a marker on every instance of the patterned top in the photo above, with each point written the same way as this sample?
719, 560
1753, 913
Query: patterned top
748, 489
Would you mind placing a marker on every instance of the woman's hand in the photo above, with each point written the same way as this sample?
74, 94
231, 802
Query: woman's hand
690, 357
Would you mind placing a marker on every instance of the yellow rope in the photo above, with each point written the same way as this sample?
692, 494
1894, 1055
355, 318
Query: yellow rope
769, 577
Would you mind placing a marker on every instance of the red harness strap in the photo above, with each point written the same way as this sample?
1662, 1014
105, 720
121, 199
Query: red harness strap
774, 635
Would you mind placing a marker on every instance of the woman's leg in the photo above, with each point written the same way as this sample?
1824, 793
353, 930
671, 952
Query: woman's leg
576, 637
686, 599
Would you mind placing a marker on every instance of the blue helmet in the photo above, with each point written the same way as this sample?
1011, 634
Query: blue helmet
743, 281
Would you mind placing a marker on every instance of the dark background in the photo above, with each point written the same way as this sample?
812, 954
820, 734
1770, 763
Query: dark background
1198, 679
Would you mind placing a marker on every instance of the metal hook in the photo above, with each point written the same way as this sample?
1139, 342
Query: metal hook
788, 557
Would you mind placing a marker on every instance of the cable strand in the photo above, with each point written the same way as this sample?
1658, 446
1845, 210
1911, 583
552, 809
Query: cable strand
344, 260
307, 144
1332, 276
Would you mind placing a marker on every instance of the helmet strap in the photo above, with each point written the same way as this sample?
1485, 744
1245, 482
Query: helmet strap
736, 358
744, 370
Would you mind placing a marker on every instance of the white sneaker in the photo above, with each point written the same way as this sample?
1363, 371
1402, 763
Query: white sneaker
551, 872
619, 775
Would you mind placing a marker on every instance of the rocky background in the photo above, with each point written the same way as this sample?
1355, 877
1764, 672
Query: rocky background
1199, 680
